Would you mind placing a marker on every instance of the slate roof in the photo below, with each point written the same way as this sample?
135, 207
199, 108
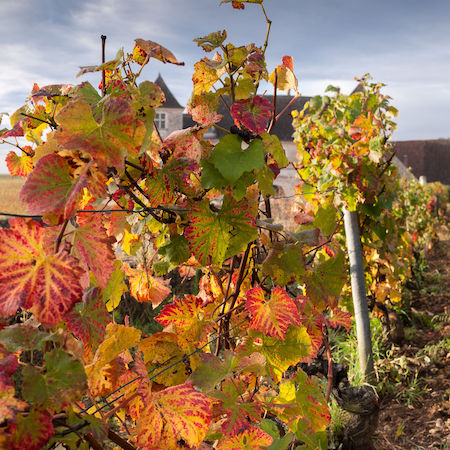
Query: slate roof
171, 101
429, 158
283, 128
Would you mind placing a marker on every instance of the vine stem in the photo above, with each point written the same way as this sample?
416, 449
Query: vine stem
103, 62
60, 236
330, 367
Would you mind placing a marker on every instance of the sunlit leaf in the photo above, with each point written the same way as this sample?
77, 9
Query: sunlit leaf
19, 166
187, 143
146, 288
118, 338
94, 246
34, 277
50, 189
272, 316
342, 318
117, 135
188, 318
174, 414
252, 438
239, 413
157, 51
164, 351
280, 355
203, 108
213, 236
324, 285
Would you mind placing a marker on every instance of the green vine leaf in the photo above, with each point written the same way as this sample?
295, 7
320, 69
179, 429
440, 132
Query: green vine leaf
215, 236
63, 382
232, 161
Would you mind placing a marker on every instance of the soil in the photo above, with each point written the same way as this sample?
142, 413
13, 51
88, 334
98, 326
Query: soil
419, 418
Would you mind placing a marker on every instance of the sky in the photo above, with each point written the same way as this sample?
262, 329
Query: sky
404, 44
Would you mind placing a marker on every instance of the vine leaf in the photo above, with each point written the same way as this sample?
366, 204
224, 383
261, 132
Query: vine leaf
325, 284
187, 143
161, 349
63, 382
213, 237
50, 189
157, 51
313, 320
94, 246
118, 133
279, 354
326, 217
33, 277
273, 316
204, 77
238, 412
145, 288
212, 41
104, 381
172, 179
253, 437
253, 113
203, 108
31, 432
286, 79
19, 166
89, 319
342, 318
273, 146
23, 337
174, 414
112, 294
118, 338
9, 404
186, 315
212, 370
284, 263
232, 161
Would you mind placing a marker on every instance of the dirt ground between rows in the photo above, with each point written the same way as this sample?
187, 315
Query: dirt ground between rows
425, 423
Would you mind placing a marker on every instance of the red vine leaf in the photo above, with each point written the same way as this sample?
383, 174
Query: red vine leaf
203, 108
188, 318
273, 316
342, 318
94, 246
50, 190
33, 277
118, 133
238, 412
187, 143
88, 323
145, 288
174, 414
31, 432
252, 438
253, 113
19, 166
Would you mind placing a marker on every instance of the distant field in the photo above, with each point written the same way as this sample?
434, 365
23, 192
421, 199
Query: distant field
9, 195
